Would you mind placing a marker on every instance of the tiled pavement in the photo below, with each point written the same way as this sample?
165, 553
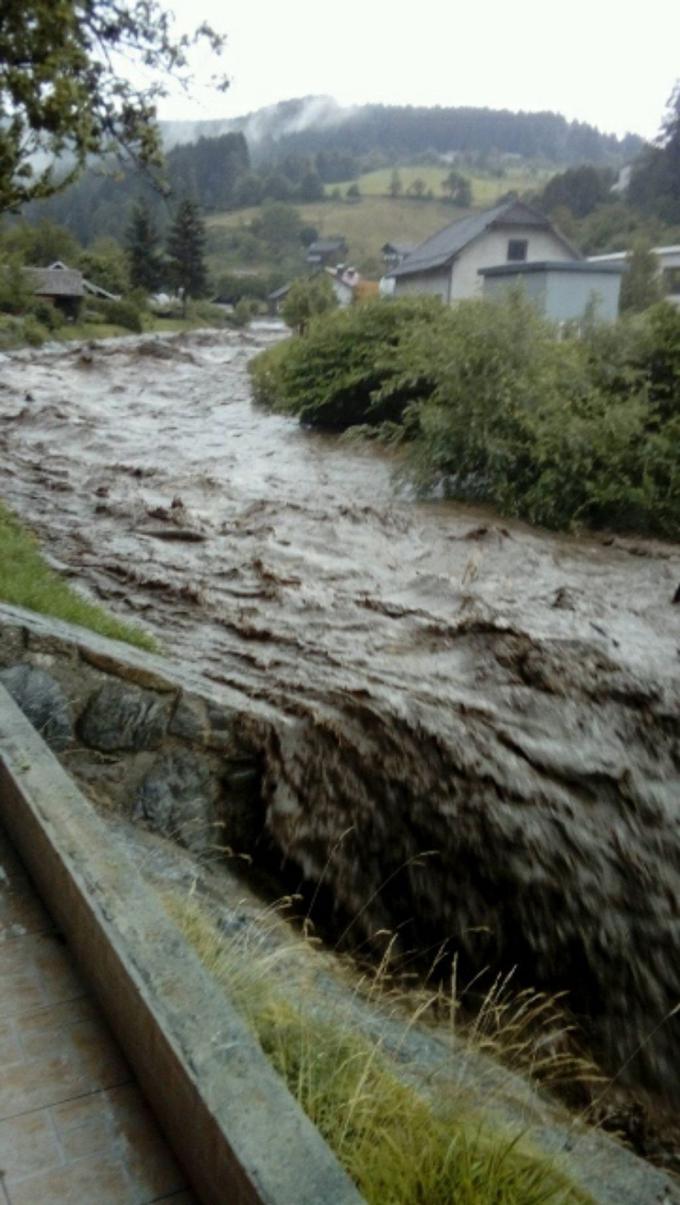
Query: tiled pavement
74, 1129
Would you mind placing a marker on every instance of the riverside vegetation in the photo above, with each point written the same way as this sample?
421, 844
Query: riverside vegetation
26, 580
488, 402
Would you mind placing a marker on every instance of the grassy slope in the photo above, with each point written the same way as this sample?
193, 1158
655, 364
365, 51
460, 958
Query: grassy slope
366, 225
377, 218
27, 581
486, 188
398, 1146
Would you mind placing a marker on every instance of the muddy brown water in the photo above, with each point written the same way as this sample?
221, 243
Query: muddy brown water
478, 723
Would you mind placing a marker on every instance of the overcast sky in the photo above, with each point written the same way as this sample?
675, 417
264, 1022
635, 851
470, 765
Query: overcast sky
610, 62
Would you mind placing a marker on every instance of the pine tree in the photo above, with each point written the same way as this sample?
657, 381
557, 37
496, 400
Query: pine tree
141, 238
186, 240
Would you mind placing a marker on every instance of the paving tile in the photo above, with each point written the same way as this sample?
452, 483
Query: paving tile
47, 956
94, 1181
10, 1049
74, 1129
21, 912
28, 1144
120, 1120
21, 990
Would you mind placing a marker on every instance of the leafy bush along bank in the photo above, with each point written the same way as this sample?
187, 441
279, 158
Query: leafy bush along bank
489, 403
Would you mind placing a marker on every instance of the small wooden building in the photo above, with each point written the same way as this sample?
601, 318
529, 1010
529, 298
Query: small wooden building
61, 286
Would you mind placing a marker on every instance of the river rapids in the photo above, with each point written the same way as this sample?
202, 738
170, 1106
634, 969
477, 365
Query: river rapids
475, 730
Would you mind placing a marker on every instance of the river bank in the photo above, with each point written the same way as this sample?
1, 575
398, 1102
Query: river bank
443, 681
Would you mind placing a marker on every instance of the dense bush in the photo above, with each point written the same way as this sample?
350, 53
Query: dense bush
123, 313
340, 373
48, 315
490, 403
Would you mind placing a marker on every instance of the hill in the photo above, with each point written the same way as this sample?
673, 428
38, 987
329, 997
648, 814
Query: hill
314, 124
366, 225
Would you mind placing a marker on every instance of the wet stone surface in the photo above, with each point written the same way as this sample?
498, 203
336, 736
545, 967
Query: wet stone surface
123, 717
43, 701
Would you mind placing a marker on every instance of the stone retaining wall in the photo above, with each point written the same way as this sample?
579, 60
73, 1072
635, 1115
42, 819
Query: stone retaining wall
137, 733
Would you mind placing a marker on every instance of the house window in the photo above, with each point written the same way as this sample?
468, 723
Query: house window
517, 249
671, 281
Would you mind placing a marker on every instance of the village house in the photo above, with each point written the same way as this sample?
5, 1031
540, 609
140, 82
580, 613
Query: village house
324, 251
669, 268
448, 264
64, 287
394, 253
60, 286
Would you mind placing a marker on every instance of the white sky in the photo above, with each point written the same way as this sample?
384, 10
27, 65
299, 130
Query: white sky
610, 62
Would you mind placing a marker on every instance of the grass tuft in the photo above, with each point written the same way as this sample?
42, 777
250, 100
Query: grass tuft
400, 1147
27, 581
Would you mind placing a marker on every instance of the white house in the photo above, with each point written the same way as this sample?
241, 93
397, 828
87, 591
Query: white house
669, 268
448, 264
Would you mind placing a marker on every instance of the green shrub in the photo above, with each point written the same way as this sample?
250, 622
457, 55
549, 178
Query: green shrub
245, 310
123, 313
33, 333
492, 404
347, 370
49, 316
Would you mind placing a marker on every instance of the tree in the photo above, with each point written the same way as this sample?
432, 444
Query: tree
655, 182
186, 266
640, 286
311, 187
417, 188
353, 192
141, 238
580, 190
307, 298
395, 186
61, 94
458, 188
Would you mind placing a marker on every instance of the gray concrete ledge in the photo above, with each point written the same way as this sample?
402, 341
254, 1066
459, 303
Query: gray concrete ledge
230, 1120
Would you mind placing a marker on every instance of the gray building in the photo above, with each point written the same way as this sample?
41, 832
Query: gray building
447, 264
561, 290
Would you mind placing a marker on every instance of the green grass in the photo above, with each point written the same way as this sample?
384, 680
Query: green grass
486, 187
399, 1147
366, 225
27, 581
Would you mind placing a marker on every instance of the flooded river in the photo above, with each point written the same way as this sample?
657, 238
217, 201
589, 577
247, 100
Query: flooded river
478, 724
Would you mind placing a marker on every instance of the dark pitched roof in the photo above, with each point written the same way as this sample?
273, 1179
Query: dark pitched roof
397, 248
441, 248
323, 245
56, 282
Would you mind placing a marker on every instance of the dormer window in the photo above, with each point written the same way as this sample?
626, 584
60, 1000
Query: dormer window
517, 249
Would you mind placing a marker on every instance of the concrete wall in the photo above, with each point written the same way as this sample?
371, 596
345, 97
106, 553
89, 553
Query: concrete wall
426, 284
562, 296
139, 734
228, 1117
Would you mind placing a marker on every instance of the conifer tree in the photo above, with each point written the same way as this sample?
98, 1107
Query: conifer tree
144, 257
186, 240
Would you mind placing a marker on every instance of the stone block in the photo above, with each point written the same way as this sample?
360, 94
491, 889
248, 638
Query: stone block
124, 717
177, 799
42, 701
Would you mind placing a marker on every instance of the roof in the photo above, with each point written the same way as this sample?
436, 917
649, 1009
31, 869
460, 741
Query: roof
56, 282
277, 294
321, 245
397, 248
619, 255
553, 265
441, 248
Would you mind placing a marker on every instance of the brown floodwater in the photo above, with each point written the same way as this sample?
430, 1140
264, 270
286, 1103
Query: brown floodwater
477, 728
